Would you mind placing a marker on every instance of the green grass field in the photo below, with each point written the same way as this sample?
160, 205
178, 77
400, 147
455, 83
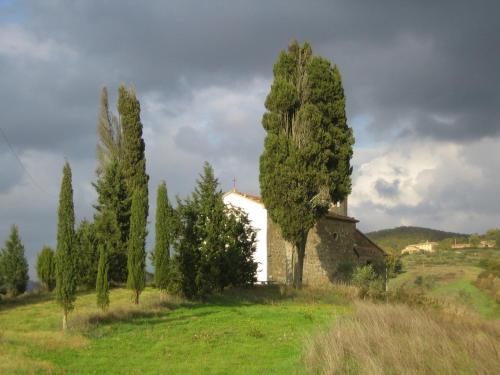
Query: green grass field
250, 332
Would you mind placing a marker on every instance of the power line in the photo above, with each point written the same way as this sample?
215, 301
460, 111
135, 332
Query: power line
33, 181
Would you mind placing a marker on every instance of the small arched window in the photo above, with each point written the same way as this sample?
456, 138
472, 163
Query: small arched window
335, 236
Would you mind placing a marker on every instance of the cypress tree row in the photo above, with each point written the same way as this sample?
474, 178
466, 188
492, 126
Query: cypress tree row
102, 283
14, 266
305, 165
164, 228
66, 278
46, 268
136, 256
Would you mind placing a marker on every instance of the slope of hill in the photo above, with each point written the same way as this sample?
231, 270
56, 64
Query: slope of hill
398, 238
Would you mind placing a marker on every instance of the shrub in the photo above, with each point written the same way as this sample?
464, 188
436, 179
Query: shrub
46, 268
368, 282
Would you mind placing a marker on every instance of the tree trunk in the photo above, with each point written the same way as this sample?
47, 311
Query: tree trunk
136, 297
298, 262
65, 320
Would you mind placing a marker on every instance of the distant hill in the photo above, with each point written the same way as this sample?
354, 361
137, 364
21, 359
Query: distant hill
398, 238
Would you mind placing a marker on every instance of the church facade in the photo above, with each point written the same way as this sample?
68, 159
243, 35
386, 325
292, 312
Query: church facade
332, 243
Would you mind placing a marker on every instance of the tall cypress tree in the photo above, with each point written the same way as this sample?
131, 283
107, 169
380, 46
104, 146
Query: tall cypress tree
164, 227
305, 165
134, 171
134, 160
102, 283
46, 268
14, 265
66, 253
136, 256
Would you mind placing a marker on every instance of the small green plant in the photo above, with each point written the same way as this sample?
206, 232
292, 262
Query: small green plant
368, 282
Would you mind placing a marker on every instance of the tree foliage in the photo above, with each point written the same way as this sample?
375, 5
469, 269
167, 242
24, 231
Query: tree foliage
46, 268
88, 255
112, 219
102, 283
66, 277
214, 243
164, 234
308, 147
13, 264
136, 256
134, 160
109, 148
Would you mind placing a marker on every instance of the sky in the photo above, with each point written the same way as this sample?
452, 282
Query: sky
421, 78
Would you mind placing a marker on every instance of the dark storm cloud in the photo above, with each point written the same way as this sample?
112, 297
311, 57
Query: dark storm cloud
407, 64
415, 69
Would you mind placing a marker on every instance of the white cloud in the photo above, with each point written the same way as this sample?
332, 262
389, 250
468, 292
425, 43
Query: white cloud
428, 183
16, 42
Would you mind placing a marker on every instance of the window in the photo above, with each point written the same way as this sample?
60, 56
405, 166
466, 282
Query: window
335, 236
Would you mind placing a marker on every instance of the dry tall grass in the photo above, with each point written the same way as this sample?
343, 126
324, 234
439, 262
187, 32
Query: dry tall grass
398, 339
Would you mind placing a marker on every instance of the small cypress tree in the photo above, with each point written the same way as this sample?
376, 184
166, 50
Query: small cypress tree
66, 278
14, 265
163, 238
102, 284
136, 256
46, 269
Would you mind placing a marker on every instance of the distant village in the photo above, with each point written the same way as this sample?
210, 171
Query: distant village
431, 246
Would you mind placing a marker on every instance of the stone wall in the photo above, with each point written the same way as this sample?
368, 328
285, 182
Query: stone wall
329, 243
368, 252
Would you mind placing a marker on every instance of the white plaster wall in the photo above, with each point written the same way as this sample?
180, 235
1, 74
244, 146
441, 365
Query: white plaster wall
257, 214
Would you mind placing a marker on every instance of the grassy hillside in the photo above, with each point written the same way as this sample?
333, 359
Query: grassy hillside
396, 239
252, 332
450, 276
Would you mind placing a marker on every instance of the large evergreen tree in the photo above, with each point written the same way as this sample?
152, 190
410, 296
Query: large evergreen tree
14, 266
136, 256
164, 231
214, 243
102, 283
46, 268
66, 278
305, 165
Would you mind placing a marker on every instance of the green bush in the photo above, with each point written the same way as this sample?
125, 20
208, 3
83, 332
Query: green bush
369, 283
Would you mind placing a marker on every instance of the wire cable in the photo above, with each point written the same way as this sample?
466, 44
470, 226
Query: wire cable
33, 181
